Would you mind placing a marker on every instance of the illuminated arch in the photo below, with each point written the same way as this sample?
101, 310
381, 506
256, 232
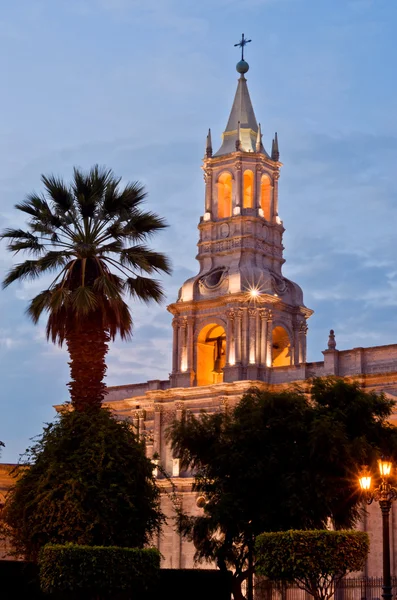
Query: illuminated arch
281, 347
225, 195
248, 196
266, 196
211, 354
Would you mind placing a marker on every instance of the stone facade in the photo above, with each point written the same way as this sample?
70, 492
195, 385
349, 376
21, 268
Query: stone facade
239, 323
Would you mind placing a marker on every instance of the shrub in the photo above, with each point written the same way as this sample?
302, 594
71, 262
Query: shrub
97, 571
313, 560
88, 482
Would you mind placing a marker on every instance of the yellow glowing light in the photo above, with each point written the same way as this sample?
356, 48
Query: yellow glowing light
365, 483
254, 292
384, 468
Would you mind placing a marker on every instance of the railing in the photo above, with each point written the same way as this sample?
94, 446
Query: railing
350, 588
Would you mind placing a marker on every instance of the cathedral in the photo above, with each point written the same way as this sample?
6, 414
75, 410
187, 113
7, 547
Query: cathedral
239, 322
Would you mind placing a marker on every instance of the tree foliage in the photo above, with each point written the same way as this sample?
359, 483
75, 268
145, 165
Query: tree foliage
277, 461
91, 236
97, 572
86, 480
315, 561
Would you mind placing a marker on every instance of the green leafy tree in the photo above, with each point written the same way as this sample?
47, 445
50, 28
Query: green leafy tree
86, 481
277, 461
315, 561
91, 234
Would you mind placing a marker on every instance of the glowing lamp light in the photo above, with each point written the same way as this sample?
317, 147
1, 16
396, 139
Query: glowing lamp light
254, 293
384, 467
365, 483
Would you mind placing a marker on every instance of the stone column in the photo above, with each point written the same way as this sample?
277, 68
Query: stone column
263, 314
257, 196
189, 349
296, 329
182, 346
176, 461
142, 416
177, 537
238, 338
244, 337
302, 342
158, 409
274, 212
238, 184
208, 189
269, 350
230, 338
135, 422
252, 336
175, 328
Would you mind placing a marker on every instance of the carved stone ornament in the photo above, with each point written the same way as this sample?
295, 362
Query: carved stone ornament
214, 278
169, 416
224, 230
180, 405
158, 408
252, 313
303, 328
279, 284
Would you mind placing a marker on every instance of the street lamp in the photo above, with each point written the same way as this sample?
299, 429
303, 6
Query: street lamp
384, 493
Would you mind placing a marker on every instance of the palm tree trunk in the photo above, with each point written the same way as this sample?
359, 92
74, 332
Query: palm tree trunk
87, 346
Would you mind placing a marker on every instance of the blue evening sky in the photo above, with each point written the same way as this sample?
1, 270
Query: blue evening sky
134, 86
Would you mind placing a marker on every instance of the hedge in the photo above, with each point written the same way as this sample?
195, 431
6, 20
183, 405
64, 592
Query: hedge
21, 580
97, 571
313, 560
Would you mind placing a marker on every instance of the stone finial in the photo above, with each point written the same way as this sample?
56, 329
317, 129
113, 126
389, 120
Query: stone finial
275, 150
208, 149
238, 140
258, 145
331, 340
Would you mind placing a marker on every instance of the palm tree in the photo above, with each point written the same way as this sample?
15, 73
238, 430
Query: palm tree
91, 235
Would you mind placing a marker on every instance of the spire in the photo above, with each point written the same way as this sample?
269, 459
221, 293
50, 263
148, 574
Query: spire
258, 145
208, 148
275, 150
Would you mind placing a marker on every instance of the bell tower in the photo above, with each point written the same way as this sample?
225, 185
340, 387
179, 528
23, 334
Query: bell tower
239, 318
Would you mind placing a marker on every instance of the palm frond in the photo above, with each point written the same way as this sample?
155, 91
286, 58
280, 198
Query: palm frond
110, 285
121, 204
22, 240
115, 247
83, 300
53, 260
143, 224
39, 303
59, 193
143, 258
22, 271
145, 289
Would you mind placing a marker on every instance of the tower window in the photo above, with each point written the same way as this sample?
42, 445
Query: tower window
211, 354
248, 197
281, 347
224, 195
266, 197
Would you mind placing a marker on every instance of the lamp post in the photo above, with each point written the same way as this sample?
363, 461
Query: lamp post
384, 493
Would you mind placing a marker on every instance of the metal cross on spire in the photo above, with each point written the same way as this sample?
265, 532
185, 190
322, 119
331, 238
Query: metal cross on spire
242, 43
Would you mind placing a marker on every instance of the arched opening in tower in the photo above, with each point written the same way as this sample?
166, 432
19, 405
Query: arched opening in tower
281, 347
224, 195
211, 354
248, 197
266, 196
